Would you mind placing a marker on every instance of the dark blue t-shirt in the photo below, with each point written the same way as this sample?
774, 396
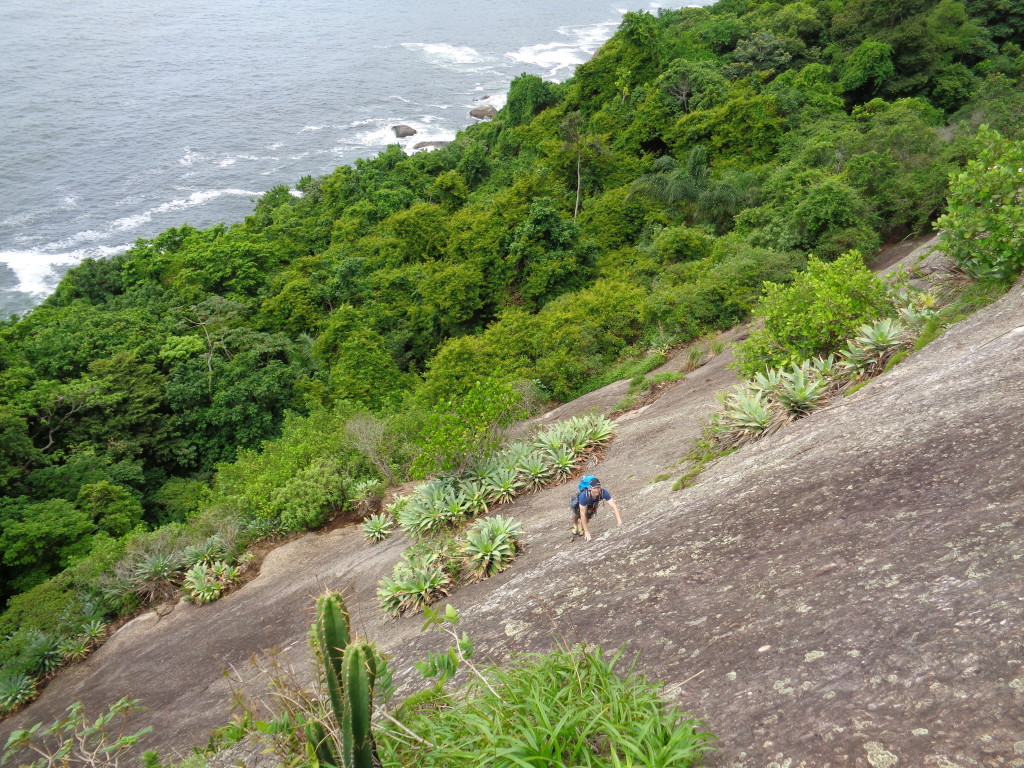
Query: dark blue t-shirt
590, 497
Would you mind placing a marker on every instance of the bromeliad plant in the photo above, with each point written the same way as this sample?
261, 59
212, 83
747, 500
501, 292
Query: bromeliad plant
205, 583
156, 576
377, 527
503, 485
490, 545
774, 397
475, 494
534, 472
415, 583
868, 352
443, 505
562, 462
16, 690
801, 391
746, 415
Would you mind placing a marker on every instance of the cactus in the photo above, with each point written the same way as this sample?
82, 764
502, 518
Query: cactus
350, 670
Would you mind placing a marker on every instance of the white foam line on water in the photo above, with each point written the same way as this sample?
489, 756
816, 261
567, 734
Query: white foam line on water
560, 57
35, 269
189, 157
193, 200
444, 53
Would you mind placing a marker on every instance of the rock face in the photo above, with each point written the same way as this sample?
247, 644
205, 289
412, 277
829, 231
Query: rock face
483, 112
846, 592
402, 131
431, 144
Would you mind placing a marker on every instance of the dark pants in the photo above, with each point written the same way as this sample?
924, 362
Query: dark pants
575, 514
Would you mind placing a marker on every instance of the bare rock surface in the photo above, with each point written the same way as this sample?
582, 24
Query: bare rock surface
846, 592
402, 131
483, 112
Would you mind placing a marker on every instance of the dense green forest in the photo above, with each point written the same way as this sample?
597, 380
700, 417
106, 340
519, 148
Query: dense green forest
211, 387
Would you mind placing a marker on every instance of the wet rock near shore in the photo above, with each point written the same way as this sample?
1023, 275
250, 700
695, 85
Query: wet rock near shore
483, 112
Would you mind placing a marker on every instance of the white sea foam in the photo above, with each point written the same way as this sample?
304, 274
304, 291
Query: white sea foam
86, 236
313, 128
381, 135
589, 37
130, 200
36, 268
232, 159
195, 199
36, 271
189, 157
21, 219
444, 53
558, 58
552, 57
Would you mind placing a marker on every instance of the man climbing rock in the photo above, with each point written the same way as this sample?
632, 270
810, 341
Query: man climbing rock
589, 494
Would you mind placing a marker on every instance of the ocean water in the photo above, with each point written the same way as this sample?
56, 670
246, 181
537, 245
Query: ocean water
120, 119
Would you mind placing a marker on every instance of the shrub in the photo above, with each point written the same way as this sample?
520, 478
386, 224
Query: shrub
814, 314
460, 432
312, 494
983, 227
681, 244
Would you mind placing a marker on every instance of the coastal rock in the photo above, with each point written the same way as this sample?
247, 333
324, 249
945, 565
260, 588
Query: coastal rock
484, 112
845, 592
431, 144
485, 97
402, 131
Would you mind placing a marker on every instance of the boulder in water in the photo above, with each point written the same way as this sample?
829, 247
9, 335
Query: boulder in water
484, 112
401, 131
430, 144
